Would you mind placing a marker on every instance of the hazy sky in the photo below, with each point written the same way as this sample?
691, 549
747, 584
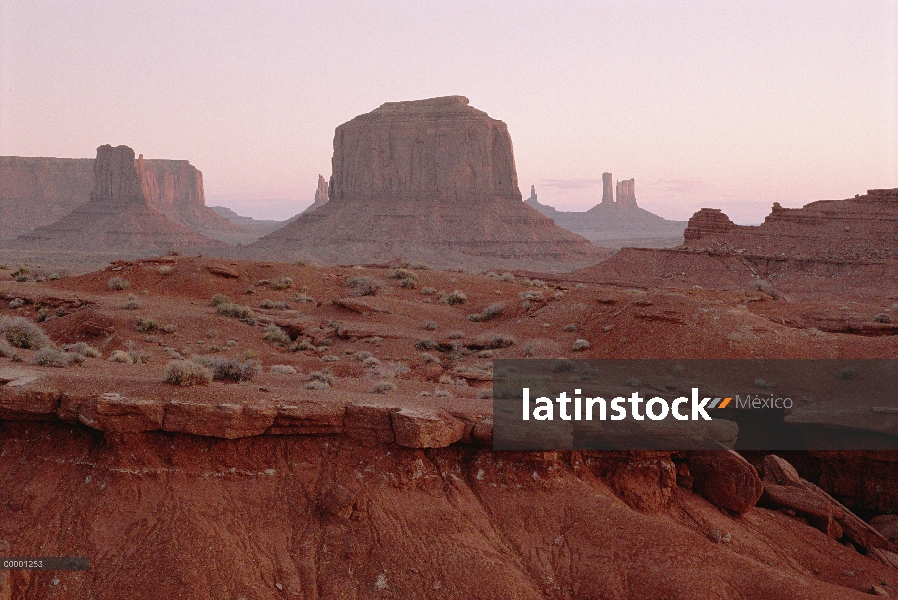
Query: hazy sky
725, 104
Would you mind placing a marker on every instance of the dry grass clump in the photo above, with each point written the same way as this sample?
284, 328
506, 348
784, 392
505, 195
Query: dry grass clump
49, 356
580, 344
166, 270
282, 370
498, 340
237, 311
16, 303
274, 304
131, 303
275, 334
84, 349
429, 325
229, 369
371, 362
427, 357
407, 279
883, 318
455, 335
382, 387
426, 344
187, 373
490, 312
146, 325
428, 291
320, 380
6, 349
22, 333
282, 283
571, 328
364, 285
117, 284
455, 297
218, 300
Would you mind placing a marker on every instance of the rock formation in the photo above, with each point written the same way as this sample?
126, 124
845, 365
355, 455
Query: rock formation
259, 226
860, 228
616, 224
118, 216
607, 190
321, 194
429, 181
37, 191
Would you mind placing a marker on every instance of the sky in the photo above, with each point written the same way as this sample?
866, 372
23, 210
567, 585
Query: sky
726, 104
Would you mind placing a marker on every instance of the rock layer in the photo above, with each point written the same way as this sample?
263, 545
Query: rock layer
432, 181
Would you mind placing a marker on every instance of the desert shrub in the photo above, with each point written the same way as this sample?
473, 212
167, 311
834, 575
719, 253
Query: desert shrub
219, 299
6, 349
275, 334
282, 283
43, 314
168, 328
282, 370
304, 344
447, 379
426, 344
316, 385
383, 387
302, 297
364, 286
486, 354
84, 349
456, 297
580, 344
229, 369
361, 355
429, 325
237, 311
48, 356
146, 325
22, 333
187, 373
427, 357
500, 340
16, 303
506, 277
273, 304
455, 335
571, 328
54, 277
441, 394
131, 303
117, 284
535, 296
883, 318
428, 291
490, 312
371, 362
407, 279
330, 358
120, 356
165, 270
262, 282
325, 376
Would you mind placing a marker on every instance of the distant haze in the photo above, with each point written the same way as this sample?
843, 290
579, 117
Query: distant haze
733, 105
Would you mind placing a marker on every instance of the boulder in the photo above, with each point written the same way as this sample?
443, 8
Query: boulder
725, 479
426, 428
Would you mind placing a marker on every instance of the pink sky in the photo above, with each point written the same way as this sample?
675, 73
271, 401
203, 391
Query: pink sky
733, 105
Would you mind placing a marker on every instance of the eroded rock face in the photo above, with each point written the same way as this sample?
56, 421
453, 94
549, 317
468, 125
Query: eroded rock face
860, 228
432, 181
321, 194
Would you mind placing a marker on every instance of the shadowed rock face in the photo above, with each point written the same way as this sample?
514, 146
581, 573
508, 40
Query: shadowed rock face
431, 181
115, 176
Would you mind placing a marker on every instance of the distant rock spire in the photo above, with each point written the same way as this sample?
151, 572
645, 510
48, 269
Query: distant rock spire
321, 194
626, 193
607, 189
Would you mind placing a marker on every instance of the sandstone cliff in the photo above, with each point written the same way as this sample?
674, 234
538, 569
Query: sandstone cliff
431, 181
862, 228
118, 216
37, 191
